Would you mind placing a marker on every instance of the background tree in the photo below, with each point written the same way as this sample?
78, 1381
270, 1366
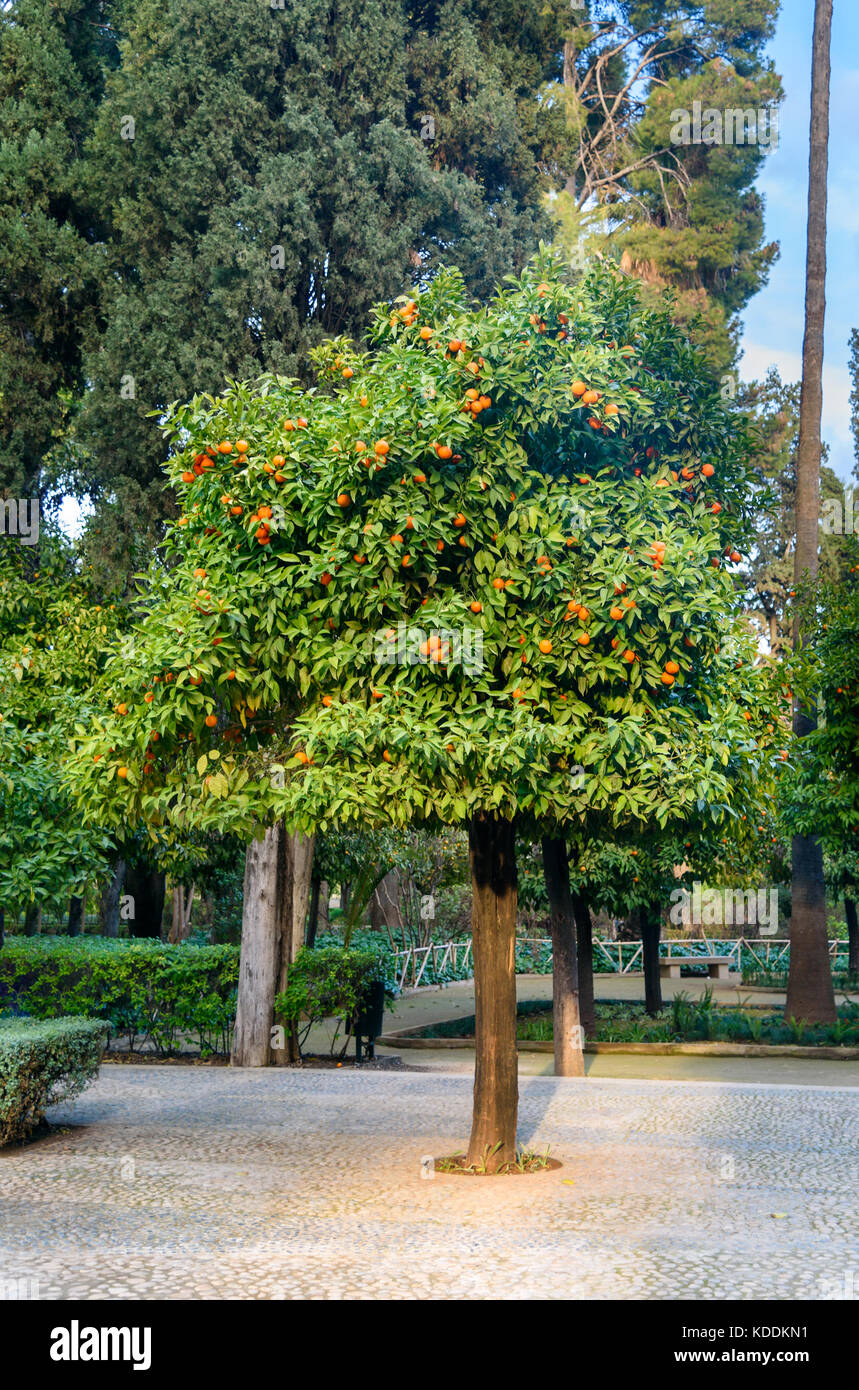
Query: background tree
53, 59
809, 993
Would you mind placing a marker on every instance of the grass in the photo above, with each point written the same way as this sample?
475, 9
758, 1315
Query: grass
526, 1161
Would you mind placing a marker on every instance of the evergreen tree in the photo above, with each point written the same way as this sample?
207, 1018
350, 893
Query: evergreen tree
53, 55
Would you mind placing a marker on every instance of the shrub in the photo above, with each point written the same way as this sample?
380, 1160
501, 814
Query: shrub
329, 982
146, 990
42, 1063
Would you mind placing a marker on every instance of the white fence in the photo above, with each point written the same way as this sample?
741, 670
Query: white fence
622, 957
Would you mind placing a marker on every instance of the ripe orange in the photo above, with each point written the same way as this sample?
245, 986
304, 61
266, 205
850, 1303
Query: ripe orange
386, 755
188, 477
612, 409
122, 709
225, 447
454, 345
708, 470
616, 613
667, 678
590, 397
242, 446
545, 646
381, 447
302, 756
343, 499
325, 578
396, 539
476, 607
583, 638
426, 333
672, 667
498, 583
629, 655
149, 697
420, 477
579, 388
594, 423
459, 519
444, 451
211, 721
347, 373
231, 675
123, 771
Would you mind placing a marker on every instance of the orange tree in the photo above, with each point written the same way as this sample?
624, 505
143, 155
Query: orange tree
473, 577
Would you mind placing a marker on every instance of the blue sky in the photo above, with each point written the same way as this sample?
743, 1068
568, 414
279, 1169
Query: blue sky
773, 321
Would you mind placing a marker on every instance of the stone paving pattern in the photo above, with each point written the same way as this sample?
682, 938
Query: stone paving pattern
193, 1182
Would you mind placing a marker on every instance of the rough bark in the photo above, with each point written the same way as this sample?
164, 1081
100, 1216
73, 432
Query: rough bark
852, 938
296, 869
566, 1018
182, 903
109, 906
492, 851
585, 962
259, 960
324, 923
810, 994
75, 922
650, 927
385, 908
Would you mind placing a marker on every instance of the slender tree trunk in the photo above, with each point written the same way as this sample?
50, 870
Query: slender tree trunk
259, 960
492, 850
585, 963
313, 913
650, 927
33, 920
566, 1019
810, 994
852, 939
109, 905
2, 927
74, 924
182, 903
324, 923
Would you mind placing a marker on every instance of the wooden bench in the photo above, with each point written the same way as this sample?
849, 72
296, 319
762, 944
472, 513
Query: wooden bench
718, 967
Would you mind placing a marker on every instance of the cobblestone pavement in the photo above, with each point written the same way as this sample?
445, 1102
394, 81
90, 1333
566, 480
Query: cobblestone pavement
184, 1182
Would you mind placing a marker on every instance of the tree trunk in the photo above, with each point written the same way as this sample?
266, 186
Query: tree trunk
74, 925
2, 927
650, 927
852, 938
180, 925
313, 913
345, 894
385, 903
259, 960
810, 994
33, 920
297, 871
324, 923
147, 889
566, 1019
492, 851
585, 963
109, 906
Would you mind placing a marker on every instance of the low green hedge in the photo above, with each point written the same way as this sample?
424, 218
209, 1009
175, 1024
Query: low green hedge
147, 991
42, 1063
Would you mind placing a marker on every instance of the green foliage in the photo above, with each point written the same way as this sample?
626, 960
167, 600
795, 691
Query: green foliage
146, 991
282, 648
41, 1064
329, 982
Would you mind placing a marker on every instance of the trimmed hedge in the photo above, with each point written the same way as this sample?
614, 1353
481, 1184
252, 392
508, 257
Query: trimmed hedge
147, 991
42, 1063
